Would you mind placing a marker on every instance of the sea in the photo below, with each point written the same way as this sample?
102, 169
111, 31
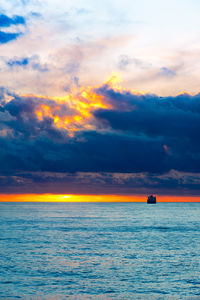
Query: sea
99, 251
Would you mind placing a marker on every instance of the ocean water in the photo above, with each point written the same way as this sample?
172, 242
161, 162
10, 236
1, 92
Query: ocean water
99, 251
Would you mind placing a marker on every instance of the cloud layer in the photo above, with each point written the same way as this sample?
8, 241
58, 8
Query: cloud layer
61, 128
101, 130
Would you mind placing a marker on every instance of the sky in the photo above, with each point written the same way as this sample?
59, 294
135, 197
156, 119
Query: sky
100, 97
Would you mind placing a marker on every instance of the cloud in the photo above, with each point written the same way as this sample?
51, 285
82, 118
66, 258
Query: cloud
6, 21
46, 140
167, 72
24, 62
144, 135
6, 37
173, 182
173, 121
125, 61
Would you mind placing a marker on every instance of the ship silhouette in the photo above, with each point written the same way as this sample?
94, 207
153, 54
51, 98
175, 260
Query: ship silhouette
151, 199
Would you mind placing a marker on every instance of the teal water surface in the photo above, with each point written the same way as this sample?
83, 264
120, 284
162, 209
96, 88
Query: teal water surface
99, 251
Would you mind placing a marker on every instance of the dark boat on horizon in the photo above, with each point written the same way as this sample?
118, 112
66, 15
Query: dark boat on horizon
151, 199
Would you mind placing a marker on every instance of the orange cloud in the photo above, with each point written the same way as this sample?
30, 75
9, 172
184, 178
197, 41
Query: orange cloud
79, 105
82, 102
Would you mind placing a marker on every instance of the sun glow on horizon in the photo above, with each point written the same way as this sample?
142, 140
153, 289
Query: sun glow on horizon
91, 198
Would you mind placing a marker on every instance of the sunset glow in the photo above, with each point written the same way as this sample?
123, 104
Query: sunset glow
93, 198
99, 149
79, 105
82, 102
99, 99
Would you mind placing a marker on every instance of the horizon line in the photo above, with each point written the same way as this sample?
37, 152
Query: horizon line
93, 198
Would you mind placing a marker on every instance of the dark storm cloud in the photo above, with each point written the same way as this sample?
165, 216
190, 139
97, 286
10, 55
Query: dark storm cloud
142, 134
173, 182
96, 153
38, 145
22, 119
174, 121
157, 117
